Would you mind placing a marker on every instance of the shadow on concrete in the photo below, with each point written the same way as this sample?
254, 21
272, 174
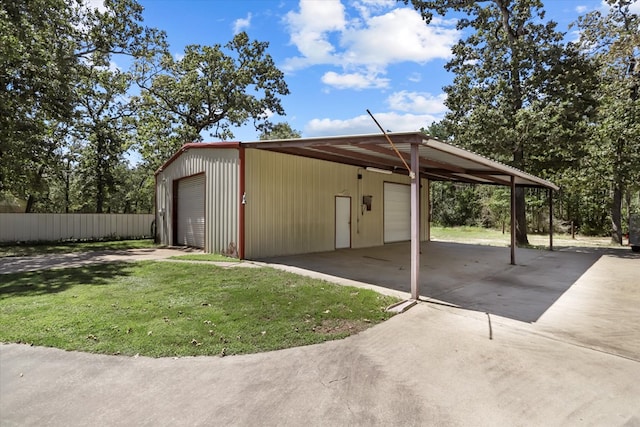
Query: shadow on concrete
468, 276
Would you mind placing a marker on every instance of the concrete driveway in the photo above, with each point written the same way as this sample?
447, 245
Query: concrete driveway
586, 295
510, 354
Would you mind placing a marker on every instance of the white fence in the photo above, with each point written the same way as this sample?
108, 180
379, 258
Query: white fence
32, 227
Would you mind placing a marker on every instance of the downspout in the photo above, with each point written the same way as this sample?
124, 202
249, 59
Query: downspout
243, 203
155, 208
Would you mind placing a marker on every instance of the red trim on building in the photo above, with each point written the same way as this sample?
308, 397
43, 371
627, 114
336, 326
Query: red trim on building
191, 145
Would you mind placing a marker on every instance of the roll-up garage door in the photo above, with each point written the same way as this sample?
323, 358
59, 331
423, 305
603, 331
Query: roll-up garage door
191, 211
397, 212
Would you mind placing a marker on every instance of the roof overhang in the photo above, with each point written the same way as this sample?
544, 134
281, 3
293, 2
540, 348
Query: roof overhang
438, 160
196, 145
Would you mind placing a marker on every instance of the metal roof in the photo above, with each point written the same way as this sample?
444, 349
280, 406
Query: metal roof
438, 160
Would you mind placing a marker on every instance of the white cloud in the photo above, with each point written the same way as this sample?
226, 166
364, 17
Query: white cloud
354, 80
241, 24
114, 67
96, 4
582, 9
310, 28
417, 102
415, 77
363, 124
397, 36
366, 42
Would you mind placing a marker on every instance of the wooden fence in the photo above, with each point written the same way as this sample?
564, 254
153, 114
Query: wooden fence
46, 227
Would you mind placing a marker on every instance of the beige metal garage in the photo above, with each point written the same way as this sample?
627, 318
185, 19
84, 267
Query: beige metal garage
284, 197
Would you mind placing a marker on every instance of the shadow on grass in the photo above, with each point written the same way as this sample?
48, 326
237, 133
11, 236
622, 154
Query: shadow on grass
42, 282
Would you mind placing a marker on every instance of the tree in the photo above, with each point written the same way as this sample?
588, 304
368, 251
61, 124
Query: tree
512, 75
45, 46
212, 89
613, 38
36, 59
103, 124
280, 131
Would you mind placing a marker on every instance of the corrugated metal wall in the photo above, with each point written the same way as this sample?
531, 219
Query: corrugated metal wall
222, 187
291, 204
50, 227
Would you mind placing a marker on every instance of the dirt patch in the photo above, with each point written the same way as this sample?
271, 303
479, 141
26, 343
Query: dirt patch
335, 327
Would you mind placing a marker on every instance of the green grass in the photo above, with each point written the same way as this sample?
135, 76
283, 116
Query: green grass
463, 234
67, 247
205, 257
174, 309
487, 236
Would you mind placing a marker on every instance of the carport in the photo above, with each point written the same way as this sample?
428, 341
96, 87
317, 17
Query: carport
419, 156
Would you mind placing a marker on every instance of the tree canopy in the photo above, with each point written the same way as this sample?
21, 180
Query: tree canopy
613, 40
520, 93
67, 116
92, 102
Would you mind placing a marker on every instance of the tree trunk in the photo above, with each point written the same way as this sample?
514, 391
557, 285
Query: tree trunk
616, 216
521, 205
36, 185
29, 205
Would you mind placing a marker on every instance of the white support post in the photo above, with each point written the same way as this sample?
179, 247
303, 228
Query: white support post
550, 193
415, 222
427, 208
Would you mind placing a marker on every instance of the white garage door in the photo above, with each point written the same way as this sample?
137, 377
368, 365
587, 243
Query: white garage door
191, 211
397, 212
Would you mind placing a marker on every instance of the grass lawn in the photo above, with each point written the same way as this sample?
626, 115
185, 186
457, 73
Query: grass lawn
486, 236
205, 257
176, 309
67, 247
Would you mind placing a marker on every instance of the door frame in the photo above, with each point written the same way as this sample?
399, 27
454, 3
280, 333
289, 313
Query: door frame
335, 238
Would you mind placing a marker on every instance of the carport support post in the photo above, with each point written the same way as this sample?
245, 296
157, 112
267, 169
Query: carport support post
513, 220
550, 191
415, 222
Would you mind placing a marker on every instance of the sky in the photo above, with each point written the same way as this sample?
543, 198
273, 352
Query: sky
340, 57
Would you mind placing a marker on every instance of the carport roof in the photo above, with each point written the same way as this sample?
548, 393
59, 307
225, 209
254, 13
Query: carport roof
438, 160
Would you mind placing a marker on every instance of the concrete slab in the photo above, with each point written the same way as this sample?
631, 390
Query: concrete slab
551, 341
432, 365
589, 296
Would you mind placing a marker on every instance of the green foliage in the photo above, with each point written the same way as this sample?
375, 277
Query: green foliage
454, 204
212, 88
67, 119
173, 309
280, 131
519, 95
613, 39
55, 57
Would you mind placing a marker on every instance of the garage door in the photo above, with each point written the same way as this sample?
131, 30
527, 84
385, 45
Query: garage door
397, 212
191, 211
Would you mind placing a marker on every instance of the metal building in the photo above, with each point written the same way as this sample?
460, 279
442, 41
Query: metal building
283, 197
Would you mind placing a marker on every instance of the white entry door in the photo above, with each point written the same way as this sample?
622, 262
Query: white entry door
343, 222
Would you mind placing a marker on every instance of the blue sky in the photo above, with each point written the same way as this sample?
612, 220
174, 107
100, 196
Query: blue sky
340, 57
